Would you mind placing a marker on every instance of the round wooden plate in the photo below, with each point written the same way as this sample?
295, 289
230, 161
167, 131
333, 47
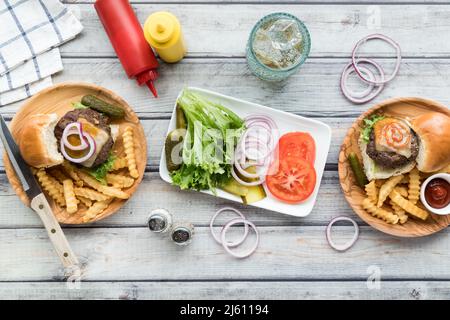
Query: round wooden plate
406, 108
58, 99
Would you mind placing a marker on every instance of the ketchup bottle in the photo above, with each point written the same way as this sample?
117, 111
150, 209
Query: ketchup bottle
126, 35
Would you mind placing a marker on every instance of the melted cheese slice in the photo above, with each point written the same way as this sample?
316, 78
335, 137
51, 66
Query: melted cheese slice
99, 135
393, 135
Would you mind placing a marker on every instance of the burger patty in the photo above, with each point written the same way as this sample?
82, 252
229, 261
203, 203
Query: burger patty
94, 118
391, 159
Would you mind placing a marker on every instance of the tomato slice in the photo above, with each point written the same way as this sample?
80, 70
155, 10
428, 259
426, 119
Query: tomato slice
298, 145
291, 179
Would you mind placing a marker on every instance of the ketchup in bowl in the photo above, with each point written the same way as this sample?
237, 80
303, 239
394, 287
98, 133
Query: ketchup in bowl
437, 193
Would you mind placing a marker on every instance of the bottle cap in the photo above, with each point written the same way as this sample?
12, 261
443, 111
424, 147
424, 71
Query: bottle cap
161, 27
159, 221
147, 78
182, 232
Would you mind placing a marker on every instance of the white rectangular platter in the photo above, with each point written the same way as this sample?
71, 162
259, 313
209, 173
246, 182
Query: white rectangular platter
286, 122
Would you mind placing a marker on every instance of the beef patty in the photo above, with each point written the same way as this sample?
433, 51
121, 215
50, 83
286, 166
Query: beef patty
391, 159
94, 118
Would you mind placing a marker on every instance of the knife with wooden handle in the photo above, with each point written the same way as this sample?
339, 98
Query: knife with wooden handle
37, 199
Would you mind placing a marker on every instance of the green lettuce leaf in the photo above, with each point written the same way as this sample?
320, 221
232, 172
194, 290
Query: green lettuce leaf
208, 147
99, 172
79, 105
368, 126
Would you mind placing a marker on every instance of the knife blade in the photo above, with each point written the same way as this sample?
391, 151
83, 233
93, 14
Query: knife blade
38, 202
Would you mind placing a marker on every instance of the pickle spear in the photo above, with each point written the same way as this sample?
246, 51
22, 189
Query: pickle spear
255, 193
180, 118
99, 105
173, 147
357, 169
234, 187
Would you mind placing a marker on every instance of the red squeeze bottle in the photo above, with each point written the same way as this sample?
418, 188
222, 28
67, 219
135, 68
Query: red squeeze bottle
126, 35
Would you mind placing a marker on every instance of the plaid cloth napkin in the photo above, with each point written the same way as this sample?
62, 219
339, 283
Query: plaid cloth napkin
24, 92
30, 31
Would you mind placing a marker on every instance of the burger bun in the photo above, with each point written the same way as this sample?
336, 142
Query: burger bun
38, 145
433, 130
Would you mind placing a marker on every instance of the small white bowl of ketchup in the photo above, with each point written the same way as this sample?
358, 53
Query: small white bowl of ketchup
435, 193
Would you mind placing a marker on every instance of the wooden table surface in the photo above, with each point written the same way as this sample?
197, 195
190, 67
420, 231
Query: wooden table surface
123, 260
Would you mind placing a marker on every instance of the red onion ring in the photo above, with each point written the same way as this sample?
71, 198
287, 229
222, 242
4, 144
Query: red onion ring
241, 168
92, 148
245, 183
347, 245
260, 118
241, 163
224, 242
216, 237
269, 145
256, 144
379, 37
74, 128
349, 68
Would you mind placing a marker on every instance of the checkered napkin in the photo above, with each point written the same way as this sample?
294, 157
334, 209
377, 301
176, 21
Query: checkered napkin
30, 32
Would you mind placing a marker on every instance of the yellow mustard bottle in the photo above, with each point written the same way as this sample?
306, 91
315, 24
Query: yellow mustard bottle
162, 30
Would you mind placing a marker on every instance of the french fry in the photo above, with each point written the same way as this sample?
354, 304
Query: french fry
51, 186
414, 186
380, 213
402, 190
405, 180
90, 194
109, 191
372, 191
118, 180
119, 163
379, 182
72, 172
128, 144
97, 208
386, 189
87, 202
69, 196
57, 174
408, 206
402, 216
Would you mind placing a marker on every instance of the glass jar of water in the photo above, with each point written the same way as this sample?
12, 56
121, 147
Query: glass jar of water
278, 45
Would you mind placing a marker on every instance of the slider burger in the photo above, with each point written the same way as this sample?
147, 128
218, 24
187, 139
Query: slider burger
392, 146
81, 136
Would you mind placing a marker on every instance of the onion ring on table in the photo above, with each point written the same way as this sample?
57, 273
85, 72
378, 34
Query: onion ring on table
348, 70
355, 60
216, 237
347, 245
224, 242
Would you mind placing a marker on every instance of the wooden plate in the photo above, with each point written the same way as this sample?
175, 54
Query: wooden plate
406, 108
58, 99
